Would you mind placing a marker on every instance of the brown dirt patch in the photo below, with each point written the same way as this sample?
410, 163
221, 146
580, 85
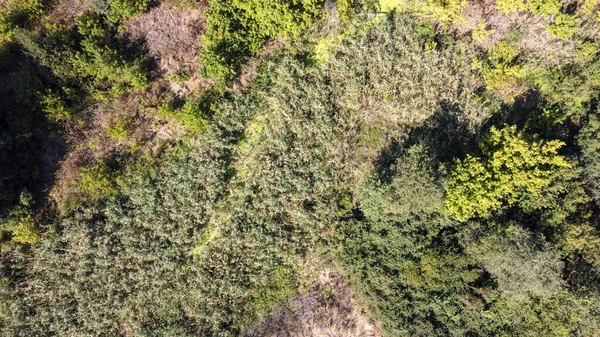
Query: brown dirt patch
329, 309
65, 12
498, 22
173, 40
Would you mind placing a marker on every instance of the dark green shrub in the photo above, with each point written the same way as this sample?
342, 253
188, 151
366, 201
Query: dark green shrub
589, 143
103, 63
91, 25
237, 29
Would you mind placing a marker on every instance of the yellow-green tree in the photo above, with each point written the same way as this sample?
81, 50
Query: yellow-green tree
510, 167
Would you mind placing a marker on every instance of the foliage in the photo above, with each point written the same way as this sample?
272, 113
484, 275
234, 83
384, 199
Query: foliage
500, 69
18, 217
522, 267
128, 255
511, 167
584, 240
590, 155
281, 287
411, 192
53, 52
96, 181
126, 9
103, 63
586, 52
25, 232
238, 29
564, 26
18, 13
568, 88
91, 25
343, 144
480, 33
424, 275
192, 117
55, 107
542, 7
446, 12
118, 130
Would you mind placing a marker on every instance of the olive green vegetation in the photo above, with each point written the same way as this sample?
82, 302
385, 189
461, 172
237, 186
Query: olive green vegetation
239, 28
456, 188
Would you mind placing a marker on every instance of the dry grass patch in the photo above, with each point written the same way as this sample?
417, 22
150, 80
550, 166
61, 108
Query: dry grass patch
173, 40
330, 308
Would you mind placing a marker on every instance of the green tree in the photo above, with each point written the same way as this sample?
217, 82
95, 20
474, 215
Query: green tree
510, 167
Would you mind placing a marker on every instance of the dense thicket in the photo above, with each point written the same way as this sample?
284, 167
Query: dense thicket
452, 179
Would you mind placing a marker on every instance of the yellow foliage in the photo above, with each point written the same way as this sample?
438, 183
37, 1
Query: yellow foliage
588, 7
510, 168
480, 33
389, 5
445, 11
322, 50
25, 233
500, 70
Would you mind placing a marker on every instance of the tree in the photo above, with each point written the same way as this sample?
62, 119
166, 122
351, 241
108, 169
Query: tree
512, 165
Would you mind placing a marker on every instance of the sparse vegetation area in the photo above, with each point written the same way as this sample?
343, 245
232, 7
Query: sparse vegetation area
299, 168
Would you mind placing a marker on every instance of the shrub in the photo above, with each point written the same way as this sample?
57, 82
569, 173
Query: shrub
586, 52
508, 6
126, 9
479, 34
501, 69
237, 29
545, 7
25, 232
512, 166
444, 11
17, 215
118, 129
542, 7
105, 64
278, 289
192, 117
91, 25
96, 181
588, 141
412, 192
564, 26
54, 107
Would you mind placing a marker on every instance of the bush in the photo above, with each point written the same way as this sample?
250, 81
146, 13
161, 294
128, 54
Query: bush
479, 34
447, 12
96, 181
126, 9
501, 69
118, 129
237, 29
588, 141
563, 26
91, 25
55, 107
542, 7
103, 63
586, 52
25, 232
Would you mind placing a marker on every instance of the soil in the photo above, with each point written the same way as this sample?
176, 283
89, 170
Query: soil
329, 309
